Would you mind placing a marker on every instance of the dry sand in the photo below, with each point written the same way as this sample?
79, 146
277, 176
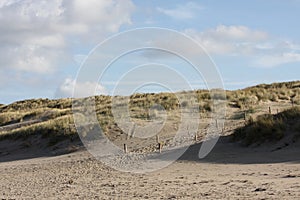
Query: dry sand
229, 172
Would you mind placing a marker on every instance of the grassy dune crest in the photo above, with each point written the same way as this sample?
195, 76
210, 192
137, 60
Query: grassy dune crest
54, 119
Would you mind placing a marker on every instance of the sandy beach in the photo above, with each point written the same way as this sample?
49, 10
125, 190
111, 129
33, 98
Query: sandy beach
229, 172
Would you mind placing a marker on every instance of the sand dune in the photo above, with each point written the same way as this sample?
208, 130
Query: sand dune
53, 164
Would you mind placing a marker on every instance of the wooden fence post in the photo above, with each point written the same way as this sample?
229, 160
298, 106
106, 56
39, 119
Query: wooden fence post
160, 146
125, 148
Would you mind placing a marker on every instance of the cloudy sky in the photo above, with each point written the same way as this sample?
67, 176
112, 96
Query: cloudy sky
43, 43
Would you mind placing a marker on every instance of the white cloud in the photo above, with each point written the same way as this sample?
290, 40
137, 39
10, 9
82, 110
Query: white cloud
95, 15
36, 35
185, 11
263, 49
222, 40
266, 51
228, 39
30, 58
275, 60
235, 33
82, 89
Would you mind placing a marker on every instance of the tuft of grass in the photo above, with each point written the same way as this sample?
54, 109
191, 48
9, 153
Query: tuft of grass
266, 128
263, 130
290, 114
206, 107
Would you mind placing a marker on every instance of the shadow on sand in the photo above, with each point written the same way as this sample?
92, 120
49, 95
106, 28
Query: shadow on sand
14, 150
227, 152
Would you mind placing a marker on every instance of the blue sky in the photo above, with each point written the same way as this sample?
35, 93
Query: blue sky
44, 42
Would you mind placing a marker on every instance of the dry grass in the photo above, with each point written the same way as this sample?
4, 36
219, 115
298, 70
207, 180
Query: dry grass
267, 128
276, 92
54, 129
55, 116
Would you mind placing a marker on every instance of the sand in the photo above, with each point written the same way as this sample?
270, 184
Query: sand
229, 172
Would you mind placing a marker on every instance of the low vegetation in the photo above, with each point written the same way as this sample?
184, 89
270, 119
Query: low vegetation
269, 128
55, 130
276, 92
53, 118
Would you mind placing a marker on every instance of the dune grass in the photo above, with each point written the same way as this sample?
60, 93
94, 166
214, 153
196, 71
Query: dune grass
268, 128
55, 130
55, 116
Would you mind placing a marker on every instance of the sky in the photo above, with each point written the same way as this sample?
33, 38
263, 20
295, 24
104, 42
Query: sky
45, 43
